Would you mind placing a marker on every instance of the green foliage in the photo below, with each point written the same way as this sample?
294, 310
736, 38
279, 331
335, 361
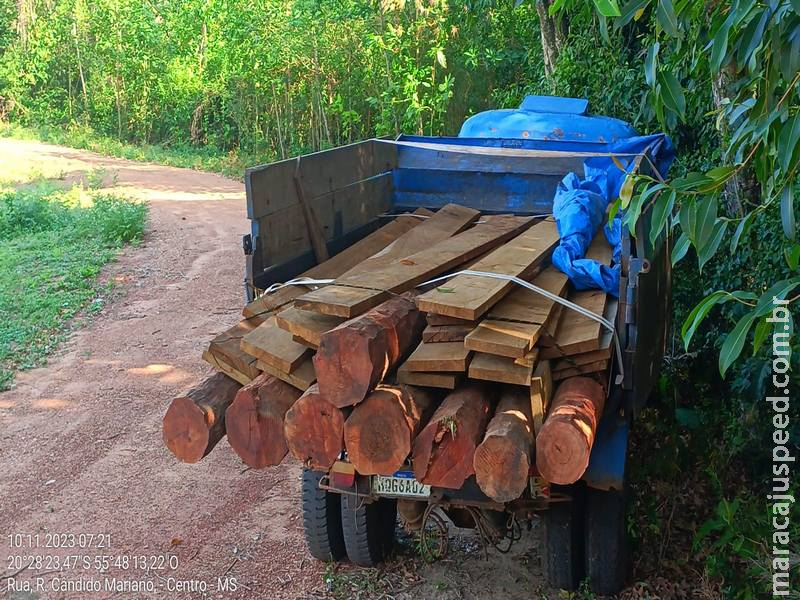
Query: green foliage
53, 243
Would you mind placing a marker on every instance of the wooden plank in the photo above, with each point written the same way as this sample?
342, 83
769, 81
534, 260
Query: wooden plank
259, 310
443, 357
530, 358
300, 340
445, 333
541, 393
604, 353
503, 338
470, 296
403, 275
525, 306
303, 377
594, 367
447, 381
226, 346
306, 325
577, 334
489, 367
274, 346
442, 320
220, 364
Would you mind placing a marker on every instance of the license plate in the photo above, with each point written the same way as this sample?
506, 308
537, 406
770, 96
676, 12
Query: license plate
401, 485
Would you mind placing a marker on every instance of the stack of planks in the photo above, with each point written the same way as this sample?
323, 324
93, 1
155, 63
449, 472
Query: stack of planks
374, 368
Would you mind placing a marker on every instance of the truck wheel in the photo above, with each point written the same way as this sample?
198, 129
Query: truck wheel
607, 548
368, 529
322, 519
563, 543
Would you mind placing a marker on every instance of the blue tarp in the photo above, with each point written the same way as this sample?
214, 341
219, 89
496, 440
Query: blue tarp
579, 208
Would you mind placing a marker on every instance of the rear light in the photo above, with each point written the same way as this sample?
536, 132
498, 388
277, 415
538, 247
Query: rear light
342, 475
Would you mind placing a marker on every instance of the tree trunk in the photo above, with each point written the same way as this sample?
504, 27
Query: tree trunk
443, 453
550, 34
354, 357
565, 441
314, 430
195, 421
503, 460
255, 421
379, 432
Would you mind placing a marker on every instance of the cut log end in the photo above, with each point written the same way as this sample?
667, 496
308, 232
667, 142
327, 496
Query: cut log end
564, 444
314, 430
502, 480
195, 421
185, 430
255, 421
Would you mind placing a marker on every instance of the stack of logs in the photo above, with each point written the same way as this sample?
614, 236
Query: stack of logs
457, 379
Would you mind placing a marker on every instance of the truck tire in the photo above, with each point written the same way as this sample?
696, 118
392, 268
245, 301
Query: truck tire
322, 519
607, 544
369, 529
563, 543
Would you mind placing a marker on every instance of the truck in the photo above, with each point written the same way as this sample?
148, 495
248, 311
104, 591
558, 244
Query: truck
502, 161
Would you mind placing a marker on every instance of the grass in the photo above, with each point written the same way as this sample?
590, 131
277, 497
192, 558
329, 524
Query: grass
231, 164
53, 244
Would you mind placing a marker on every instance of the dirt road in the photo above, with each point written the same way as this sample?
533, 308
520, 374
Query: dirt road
80, 439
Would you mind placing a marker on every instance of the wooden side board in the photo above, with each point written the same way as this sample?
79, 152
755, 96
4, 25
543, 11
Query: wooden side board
470, 296
353, 295
305, 324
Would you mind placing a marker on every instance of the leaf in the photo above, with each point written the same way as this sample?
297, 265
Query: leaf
680, 249
690, 182
608, 8
779, 291
734, 342
613, 210
763, 328
752, 36
705, 220
741, 229
665, 12
650, 64
661, 212
441, 59
719, 47
717, 176
740, 110
444, 290
626, 191
629, 11
710, 249
699, 312
787, 212
787, 141
792, 256
672, 93
556, 6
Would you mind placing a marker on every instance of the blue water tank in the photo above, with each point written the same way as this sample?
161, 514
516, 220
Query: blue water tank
547, 118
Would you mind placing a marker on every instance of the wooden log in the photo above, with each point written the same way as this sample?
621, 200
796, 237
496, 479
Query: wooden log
379, 432
503, 459
254, 421
565, 441
354, 357
443, 452
195, 421
225, 354
314, 430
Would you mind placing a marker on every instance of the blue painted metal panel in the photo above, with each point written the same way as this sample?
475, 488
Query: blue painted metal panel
555, 104
526, 144
607, 462
491, 192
